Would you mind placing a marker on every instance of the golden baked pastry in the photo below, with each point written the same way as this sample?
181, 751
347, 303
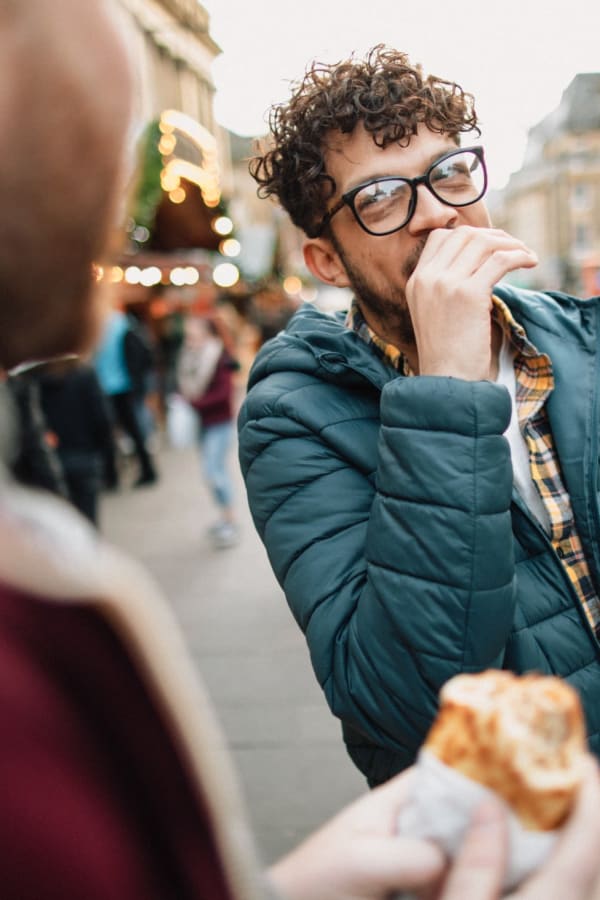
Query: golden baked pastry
522, 736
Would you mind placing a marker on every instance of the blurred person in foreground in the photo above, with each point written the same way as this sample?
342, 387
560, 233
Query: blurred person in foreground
422, 467
114, 779
205, 368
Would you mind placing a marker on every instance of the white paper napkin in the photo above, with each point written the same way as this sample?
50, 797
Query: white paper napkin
440, 807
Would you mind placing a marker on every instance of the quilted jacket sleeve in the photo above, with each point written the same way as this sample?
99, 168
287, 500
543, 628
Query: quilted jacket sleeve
393, 544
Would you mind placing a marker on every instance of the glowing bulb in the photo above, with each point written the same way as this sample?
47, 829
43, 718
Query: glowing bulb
226, 275
150, 276
308, 293
133, 274
178, 195
140, 234
230, 247
167, 144
177, 276
222, 225
169, 181
292, 284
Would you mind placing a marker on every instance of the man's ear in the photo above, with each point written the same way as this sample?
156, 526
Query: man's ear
324, 262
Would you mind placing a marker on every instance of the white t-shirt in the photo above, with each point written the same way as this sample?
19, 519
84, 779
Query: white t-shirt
518, 447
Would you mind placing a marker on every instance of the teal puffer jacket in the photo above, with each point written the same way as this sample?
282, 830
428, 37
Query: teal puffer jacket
387, 511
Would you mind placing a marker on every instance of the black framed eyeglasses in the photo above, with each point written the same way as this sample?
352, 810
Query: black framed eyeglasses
387, 204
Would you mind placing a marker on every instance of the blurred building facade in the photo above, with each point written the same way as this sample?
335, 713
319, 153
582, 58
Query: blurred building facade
553, 202
258, 222
175, 213
185, 175
173, 54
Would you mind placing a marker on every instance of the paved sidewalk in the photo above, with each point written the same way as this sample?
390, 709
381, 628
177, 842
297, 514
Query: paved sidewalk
293, 767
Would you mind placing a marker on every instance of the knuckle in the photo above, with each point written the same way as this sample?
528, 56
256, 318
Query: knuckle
465, 231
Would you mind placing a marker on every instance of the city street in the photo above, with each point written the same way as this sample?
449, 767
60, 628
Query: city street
288, 748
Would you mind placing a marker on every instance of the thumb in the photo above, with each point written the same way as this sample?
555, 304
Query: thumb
478, 870
404, 863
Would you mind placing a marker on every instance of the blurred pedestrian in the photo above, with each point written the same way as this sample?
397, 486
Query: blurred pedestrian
79, 426
110, 362
205, 370
169, 326
140, 358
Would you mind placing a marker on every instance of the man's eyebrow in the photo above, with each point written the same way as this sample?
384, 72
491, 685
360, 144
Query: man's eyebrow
366, 179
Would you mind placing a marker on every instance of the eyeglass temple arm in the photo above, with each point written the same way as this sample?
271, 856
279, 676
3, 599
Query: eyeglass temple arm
328, 217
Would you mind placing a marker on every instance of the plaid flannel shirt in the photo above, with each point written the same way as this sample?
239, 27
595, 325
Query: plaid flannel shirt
534, 384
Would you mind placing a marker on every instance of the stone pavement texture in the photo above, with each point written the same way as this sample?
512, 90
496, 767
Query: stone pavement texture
293, 769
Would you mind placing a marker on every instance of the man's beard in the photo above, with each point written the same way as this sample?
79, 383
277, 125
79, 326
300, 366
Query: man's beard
391, 308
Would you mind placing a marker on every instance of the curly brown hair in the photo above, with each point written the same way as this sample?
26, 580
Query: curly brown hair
387, 95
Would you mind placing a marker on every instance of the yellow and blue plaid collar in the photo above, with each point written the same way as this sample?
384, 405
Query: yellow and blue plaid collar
390, 354
383, 349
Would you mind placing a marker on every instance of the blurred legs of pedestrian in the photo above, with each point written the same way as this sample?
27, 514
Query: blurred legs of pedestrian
84, 477
125, 416
146, 419
216, 441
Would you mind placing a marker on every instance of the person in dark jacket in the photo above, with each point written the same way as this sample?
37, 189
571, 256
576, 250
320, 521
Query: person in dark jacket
422, 467
140, 360
79, 422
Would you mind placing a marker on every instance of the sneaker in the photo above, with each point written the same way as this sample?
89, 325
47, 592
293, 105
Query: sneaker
147, 478
214, 529
224, 535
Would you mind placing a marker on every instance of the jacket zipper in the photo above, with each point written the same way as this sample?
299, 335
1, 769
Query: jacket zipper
518, 501
592, 502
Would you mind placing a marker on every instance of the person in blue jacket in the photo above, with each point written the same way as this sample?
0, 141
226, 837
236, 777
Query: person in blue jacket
423, 467
110, 363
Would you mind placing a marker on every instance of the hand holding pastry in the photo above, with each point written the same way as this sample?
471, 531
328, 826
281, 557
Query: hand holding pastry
572, 871
516, 741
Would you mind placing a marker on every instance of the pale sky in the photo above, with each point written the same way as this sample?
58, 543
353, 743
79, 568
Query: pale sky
515, 56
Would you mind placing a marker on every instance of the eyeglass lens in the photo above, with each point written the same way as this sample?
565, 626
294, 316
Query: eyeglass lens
385, 205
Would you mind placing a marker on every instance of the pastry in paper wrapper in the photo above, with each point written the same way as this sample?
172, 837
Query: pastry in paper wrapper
521, 738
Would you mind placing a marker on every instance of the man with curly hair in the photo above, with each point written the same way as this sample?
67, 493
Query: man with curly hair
421, 468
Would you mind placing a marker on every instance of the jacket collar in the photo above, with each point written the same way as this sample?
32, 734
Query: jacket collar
320, 343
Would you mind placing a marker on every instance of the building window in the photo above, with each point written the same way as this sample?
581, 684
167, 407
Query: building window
581, 195
583, 238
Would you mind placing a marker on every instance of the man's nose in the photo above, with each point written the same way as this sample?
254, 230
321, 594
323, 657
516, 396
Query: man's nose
430, 212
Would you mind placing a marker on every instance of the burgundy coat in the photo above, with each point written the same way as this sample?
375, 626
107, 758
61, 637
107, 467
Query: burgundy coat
114, 778
215, 405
